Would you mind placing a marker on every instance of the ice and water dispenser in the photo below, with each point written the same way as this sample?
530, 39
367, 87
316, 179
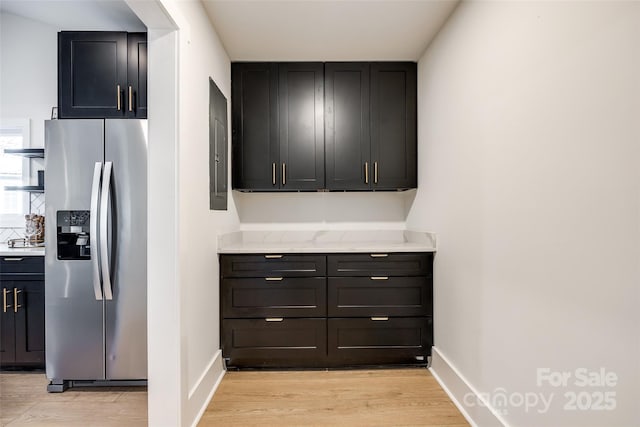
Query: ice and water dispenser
73, 237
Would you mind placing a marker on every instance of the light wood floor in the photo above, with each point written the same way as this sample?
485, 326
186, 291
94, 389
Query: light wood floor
395, 397
24, 401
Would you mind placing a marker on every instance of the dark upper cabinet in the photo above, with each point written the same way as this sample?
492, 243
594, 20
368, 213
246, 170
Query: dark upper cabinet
102, 74
338, 126
394, 138
371, 125
254, 106
347, 133
301, 123
278, 133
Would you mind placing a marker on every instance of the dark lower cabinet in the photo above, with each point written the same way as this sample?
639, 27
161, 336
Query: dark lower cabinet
297, 311
22, 328
379, 340
274, 342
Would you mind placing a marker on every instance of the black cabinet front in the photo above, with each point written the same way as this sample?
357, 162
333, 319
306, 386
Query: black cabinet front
274, 342
338, 126
22, 318
102, 74
277, 121
311, 310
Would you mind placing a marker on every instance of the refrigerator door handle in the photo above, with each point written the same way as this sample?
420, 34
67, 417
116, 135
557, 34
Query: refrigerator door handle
93, 226
104, 241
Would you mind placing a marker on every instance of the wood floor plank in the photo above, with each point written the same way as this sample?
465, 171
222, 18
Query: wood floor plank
408, 397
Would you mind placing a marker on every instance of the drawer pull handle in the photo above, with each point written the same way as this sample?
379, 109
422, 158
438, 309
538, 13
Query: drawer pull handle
13, 259
274, 319
379, 255
273, 279
380, 319
273, 256
379, 277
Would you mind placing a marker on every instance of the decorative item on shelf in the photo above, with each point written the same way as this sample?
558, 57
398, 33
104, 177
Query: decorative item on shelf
34, 229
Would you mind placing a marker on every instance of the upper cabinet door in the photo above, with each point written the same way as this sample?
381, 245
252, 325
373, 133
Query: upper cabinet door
301, 107
394, 125
254, 94
136, 96
347, 137
92, 74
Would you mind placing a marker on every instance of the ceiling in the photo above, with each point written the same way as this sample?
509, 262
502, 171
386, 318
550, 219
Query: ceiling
276, 30
327, 30
98, 15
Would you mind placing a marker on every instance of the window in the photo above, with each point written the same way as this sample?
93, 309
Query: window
14, 170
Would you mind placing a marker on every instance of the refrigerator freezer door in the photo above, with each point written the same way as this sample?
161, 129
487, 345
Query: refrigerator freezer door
73, 316
126, 313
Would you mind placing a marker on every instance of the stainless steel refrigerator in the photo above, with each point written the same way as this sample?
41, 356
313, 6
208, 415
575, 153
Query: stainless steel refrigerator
96, 252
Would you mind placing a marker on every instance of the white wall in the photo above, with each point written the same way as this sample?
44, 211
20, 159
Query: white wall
323, 211
201, 56
529, 148
28, 72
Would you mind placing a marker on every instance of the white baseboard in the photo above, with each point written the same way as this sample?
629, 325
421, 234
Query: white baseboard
457, 387
202, 392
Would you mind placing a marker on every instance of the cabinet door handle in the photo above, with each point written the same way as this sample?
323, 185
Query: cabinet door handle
366, 172
130, 98
118, 97
379, 255
4, 300
379, 278
13, 259
380, 319
273, 279
284, 174
273, 256
273, 173
375, 172
274, 319
16, 306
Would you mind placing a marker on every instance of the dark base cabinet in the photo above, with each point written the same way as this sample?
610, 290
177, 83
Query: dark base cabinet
22, 316
379, 340
275, 342
326, 311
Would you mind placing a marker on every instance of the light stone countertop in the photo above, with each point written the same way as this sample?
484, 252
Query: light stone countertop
333, 241
5, 250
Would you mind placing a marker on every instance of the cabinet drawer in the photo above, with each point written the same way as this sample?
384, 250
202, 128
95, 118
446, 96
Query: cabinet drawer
16, 266
373, 342
287, 343
379, 296
282, 297
380, 264
271, 265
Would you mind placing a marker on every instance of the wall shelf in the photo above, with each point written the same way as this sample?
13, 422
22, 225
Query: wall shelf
29, 188
26, 152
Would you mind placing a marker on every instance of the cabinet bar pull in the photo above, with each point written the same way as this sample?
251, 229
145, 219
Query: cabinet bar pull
366, 172
130, 98
379, 278
375, 172
284, 174
273, 279
13, 259
273, 256
379, 255
382, 319
16, 306
274, 319
273, 173
4, 300
119, 100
